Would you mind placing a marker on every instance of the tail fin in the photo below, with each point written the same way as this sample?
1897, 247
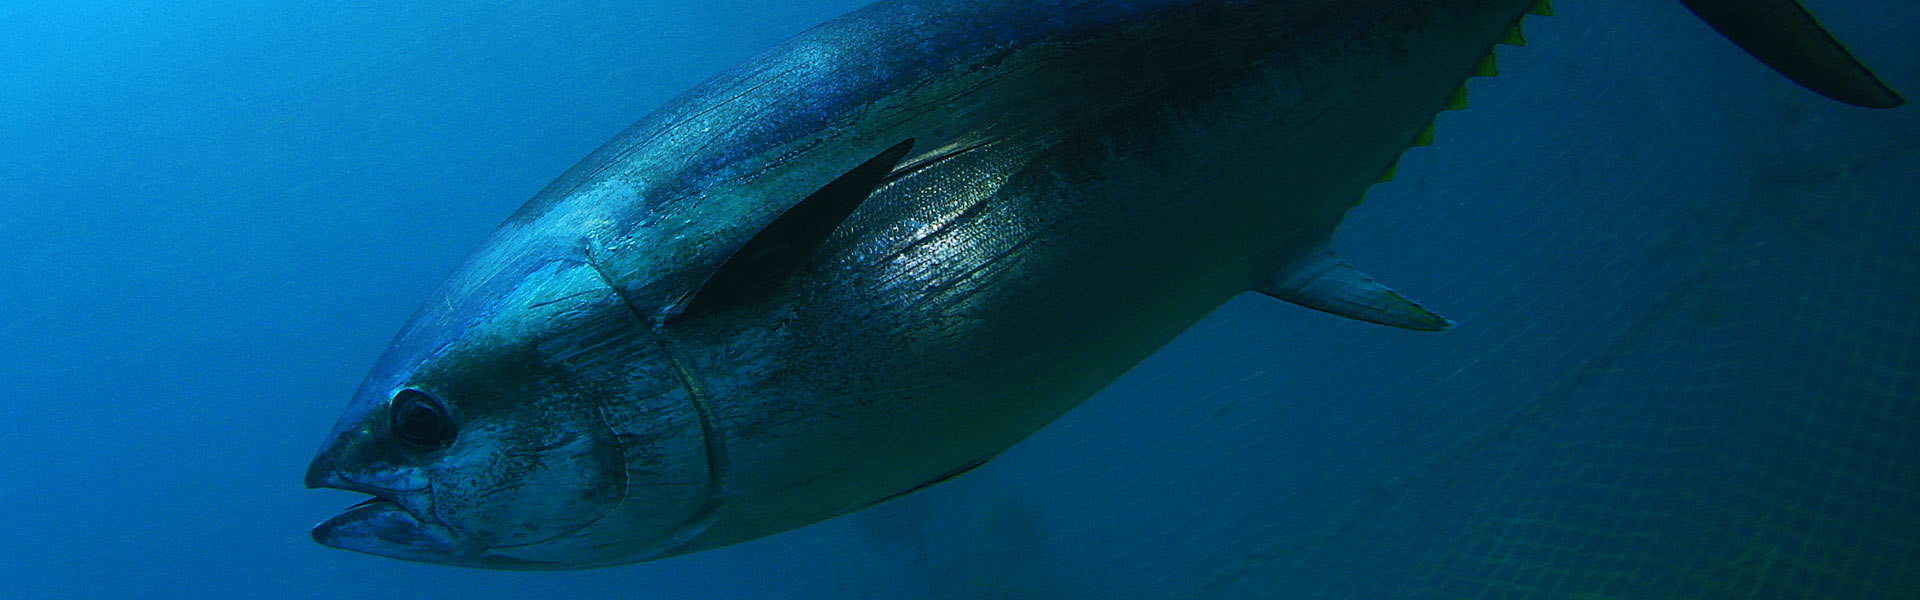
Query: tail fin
1782, 34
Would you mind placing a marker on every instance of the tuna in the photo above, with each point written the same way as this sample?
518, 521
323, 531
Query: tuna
887, 250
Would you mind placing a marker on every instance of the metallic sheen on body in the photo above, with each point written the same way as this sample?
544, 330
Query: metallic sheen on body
1087, 180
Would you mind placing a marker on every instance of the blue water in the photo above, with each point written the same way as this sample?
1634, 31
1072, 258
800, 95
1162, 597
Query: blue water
1687, 365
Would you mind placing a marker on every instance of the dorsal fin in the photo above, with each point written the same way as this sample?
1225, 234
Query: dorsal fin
1782, 34
772, 255
1325, 282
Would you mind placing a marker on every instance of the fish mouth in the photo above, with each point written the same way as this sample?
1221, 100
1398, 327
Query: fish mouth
330, 532
383, 527
390, 523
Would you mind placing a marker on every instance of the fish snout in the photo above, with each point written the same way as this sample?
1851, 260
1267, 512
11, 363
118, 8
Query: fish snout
396, 522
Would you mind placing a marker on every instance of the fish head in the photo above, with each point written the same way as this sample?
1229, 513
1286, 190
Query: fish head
498, 429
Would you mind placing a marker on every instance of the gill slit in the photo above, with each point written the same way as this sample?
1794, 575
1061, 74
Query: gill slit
715, 443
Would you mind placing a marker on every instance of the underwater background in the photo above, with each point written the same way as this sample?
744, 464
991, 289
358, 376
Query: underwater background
1687, 365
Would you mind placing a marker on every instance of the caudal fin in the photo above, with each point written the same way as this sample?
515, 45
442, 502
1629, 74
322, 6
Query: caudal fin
1782, 34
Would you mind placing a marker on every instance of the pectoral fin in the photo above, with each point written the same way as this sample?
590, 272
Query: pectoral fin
942, 478
783, 246
1782, 34
1324, 282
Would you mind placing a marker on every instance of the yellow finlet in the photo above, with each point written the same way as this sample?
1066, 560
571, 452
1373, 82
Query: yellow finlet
1513, 37
1459, 99
1486, 67
1425, 137
1385, 177
1542, 8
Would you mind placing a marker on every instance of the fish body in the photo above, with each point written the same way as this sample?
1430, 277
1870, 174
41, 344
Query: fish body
877, 256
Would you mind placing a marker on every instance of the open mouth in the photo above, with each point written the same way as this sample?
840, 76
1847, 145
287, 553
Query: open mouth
383, 527
376, 512
381, 505
375, 509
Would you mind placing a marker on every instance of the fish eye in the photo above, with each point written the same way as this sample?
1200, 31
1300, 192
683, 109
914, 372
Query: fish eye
418, 419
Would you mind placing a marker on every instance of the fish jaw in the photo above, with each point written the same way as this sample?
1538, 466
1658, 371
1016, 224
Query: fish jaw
388, 524
382, 528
